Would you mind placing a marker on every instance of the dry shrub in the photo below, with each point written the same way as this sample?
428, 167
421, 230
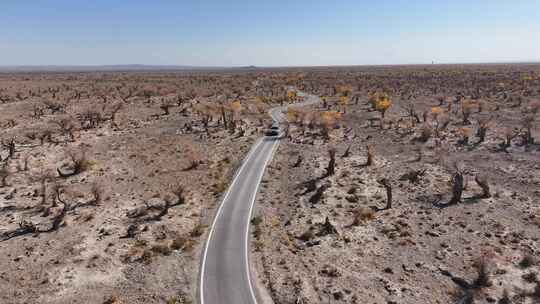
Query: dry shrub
258, 245
425, 133
96, 190
54, 106
114, 299
466, 110
221, 186
194, 158
464, 133
197, 231
66, 125
182, 243
146, 257
483, 126
533, 107
90, 118
180, 299
115, 108
527, 261
161, 248
509, 134
307, 236
363, 215
505, 299
527, 123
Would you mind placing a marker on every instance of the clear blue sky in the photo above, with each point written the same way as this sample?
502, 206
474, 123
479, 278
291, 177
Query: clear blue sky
269, 33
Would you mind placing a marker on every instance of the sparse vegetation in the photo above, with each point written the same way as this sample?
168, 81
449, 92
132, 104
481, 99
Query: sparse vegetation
115, 177
437, 214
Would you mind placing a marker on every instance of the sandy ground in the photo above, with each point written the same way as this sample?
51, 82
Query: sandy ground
103, 208
345, 247
123, 246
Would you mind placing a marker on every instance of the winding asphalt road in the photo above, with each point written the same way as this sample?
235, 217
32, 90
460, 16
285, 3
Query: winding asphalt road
225, 272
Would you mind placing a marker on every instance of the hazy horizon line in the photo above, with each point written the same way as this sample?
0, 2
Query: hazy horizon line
137, 66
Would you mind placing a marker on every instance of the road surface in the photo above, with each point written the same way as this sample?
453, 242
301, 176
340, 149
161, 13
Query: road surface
225, 273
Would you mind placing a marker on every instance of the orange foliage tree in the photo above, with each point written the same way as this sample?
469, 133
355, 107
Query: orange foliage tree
382, 104
344, 102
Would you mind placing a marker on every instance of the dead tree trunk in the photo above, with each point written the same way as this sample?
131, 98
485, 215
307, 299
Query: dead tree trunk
483, 183
4, 174
59, 218
317, 196
223, 116
327, 228
298, 161
457, 188
330, 169
25, 227
347, 152
386, 184
10, 145
369, 160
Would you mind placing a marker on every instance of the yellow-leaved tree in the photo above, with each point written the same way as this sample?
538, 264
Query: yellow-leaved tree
436, 111
383, 103
344, 102
329, 120
292, 115
292, 95
236, 106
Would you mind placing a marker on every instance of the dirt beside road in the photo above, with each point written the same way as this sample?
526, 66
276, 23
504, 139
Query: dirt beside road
328, 237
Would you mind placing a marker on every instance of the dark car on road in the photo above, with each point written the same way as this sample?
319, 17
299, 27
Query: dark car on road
271, 132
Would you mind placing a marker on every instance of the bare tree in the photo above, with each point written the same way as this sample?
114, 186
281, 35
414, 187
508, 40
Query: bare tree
369, 152
96, 190
165, 106
115, 108
388, 187
330, 169
4, 98
425, 133
37, 112
527, 123
10, 145
457, 185
411, 112
418, 154
54, 106
194, 159
4, 174
66, 125
466, 110
90, 118
483, 126
126, 92
347, 152
317, 196
45, 135
482, 181
509, 135
298, 161
24, 165
469, 289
